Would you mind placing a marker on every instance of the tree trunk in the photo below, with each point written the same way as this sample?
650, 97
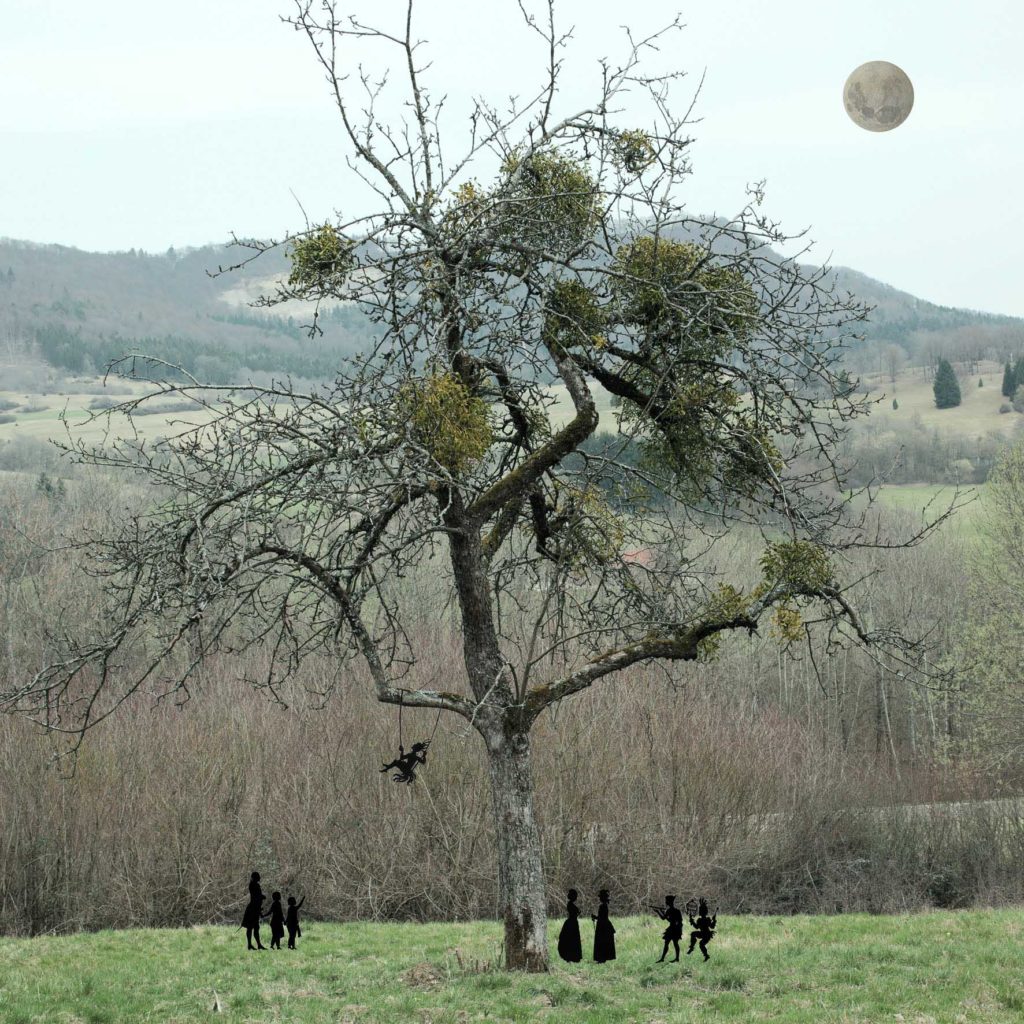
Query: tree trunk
522, 895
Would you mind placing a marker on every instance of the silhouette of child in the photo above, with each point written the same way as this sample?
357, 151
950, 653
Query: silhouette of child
705, 929
674, 932
406, 763
276, 915
292, 920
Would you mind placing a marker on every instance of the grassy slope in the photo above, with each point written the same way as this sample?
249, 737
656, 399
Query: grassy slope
943, 966
977, 414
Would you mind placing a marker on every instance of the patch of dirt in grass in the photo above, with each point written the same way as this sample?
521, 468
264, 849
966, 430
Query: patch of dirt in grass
423, 975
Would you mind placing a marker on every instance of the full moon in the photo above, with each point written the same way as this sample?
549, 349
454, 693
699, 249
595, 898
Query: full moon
878, 96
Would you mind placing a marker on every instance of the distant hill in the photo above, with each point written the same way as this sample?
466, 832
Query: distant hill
926, 330
77, 310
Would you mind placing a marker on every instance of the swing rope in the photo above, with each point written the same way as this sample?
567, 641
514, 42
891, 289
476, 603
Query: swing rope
437, 722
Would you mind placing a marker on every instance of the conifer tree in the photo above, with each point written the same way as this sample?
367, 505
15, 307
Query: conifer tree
1008, 380
946, 387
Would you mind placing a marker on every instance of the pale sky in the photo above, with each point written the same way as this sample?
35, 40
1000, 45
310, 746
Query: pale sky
138, 124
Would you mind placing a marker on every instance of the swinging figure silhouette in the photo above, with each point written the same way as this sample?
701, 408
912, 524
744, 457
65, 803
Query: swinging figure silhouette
405, 765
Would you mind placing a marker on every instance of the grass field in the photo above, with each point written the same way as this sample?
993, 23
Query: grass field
976, 415
941, 966
38, 415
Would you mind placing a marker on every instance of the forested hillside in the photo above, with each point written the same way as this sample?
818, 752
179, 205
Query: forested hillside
78, 310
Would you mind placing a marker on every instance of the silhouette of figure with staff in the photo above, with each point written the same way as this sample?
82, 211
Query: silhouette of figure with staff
674, 932
704, 928
253, 912
570, 946
604, 931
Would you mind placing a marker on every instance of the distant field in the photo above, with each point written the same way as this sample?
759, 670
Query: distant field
977, 414
942, 966
38, 416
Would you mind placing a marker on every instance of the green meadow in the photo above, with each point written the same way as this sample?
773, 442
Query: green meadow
938, 966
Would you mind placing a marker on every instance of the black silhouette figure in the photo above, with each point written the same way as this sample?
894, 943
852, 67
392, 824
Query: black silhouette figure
291, 920
276, 915
253, 912
604, 932
570, 946
674, 932
406, 763
705, 928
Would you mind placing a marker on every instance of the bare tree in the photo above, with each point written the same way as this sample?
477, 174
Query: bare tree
288, 520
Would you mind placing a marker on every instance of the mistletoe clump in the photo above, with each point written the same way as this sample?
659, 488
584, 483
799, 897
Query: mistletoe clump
677, 294
320, 262
549, 202
634, 151
587, 531
573, 317
449, 421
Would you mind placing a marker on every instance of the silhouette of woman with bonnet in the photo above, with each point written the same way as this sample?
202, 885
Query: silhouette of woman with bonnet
604, 932
570, 946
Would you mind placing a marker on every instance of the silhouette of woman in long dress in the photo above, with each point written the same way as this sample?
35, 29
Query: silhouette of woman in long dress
604, 932
251, 917
570, 946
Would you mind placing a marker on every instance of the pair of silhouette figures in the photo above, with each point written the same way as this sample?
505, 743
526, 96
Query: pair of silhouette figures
279, 918
570, 945
704, 927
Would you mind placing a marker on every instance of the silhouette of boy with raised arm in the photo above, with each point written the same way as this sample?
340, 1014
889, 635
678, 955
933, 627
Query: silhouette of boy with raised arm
705, 929
292, 920
406, 763
674, 932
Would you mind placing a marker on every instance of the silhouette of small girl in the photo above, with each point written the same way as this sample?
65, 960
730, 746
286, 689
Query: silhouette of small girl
406, 763
292, 920
570, 946
253, 912
674, 932
705, 929
276, 915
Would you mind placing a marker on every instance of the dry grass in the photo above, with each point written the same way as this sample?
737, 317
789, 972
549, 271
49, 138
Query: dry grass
977, 414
